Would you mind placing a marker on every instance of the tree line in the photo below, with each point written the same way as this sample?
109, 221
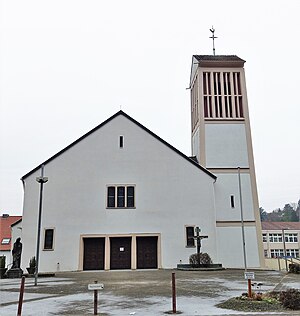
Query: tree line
289, 213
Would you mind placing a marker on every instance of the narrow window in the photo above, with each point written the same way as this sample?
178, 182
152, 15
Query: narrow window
264, 237
205, 107
111, 197
232, 204
241, 107
190, 241
130, 196
121, 196
48, 241
121, 141
266, 253
204, 83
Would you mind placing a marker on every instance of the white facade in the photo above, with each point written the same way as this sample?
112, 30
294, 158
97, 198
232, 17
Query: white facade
167, 198
122, 198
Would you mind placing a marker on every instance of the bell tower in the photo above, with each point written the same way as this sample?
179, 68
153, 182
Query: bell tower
221, 141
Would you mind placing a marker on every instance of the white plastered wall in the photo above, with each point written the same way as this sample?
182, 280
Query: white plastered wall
227, 185
226, 146
170, 193
230, 246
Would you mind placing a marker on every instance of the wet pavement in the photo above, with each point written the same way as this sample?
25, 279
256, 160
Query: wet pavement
138, 292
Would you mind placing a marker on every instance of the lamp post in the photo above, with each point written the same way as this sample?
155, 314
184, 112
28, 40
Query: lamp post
41, 180
284, 249
242, 219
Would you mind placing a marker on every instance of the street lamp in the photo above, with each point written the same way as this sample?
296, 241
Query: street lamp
284, 249
242, 219
41, 180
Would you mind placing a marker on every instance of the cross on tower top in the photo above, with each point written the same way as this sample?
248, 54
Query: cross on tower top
213, 38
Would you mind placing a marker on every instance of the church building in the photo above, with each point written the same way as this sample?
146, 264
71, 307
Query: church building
120, 197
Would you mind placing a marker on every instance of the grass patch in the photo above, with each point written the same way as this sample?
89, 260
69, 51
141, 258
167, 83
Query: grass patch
268, 302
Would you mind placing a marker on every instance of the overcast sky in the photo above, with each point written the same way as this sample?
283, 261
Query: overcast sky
66, 66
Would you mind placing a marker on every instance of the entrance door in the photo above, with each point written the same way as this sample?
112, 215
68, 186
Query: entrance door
120, 253
93, 253
146, 252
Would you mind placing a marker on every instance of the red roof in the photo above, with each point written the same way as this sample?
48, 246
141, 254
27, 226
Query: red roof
5, 231
280, 225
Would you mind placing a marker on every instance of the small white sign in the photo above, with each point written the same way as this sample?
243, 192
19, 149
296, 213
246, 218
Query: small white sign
95, 286
122, 249
249, 276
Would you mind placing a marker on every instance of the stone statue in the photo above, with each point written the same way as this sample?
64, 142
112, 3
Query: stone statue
16, 253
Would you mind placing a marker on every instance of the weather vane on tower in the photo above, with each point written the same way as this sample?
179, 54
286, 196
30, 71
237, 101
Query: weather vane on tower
213, 38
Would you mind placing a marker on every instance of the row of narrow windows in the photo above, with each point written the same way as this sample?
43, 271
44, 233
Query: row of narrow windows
222, 83
279, 253
277, 237
222, 95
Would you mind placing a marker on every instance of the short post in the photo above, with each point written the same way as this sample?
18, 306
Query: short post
21, 296
249, 288
249, 276
173, 293
95, 300
279, 267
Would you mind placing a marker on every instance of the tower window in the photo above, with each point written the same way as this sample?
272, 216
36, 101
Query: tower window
222, 95
121, 141
232, 202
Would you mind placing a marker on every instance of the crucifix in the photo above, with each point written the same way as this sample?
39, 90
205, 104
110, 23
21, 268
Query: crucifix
213, 38
199, 238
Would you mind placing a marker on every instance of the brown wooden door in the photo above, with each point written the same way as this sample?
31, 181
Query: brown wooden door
93, 253
120, 253
146, 252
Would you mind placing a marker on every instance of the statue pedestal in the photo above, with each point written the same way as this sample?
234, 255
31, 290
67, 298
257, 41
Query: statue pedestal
14, 273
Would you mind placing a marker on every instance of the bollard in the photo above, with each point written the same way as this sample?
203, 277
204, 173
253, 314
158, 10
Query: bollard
173, 293
21, 296
249, 289
95, 300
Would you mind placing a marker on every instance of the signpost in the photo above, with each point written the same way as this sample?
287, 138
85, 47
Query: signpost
95, 287
249, 276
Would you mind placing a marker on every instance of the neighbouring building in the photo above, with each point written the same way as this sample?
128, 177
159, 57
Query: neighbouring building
120, 197
280, 239
7, 241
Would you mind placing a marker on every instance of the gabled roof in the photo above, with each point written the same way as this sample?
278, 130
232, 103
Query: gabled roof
280, 225
133, 121
6, 221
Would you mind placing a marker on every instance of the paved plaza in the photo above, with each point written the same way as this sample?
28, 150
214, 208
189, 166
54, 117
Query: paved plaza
139, 293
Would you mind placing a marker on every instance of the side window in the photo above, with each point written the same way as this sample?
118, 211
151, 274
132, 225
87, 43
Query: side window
190, 241
48, 239
264, 237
